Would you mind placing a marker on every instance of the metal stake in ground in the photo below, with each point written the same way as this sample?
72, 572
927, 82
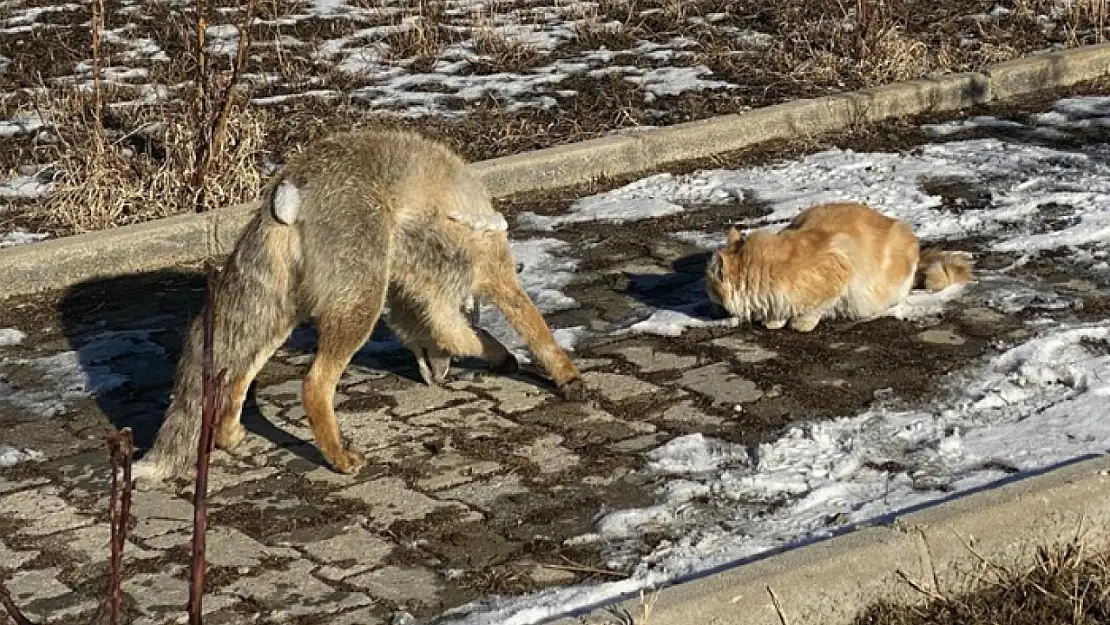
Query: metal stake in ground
211, 411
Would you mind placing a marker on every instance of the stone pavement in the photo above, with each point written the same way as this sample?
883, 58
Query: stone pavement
470, 489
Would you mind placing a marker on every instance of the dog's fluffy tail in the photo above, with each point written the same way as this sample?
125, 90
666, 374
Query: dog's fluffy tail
938, 270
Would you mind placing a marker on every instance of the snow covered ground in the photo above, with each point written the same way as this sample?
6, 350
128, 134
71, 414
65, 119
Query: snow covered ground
1038, 403
1037, 400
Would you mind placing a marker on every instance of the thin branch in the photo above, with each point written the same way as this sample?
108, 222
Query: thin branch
928, 592
212, 129
10, 607
122, 449
97, 34
778, 607
220, 127
212, 410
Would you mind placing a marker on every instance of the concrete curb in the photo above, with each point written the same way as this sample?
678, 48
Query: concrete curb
61, 263
830, 582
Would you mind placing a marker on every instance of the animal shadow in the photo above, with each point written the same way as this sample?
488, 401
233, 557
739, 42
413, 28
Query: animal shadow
128, 332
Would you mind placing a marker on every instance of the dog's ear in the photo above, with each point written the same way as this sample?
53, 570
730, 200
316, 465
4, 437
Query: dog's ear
735, 238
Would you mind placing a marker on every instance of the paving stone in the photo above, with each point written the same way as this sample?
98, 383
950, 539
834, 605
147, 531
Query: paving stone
291, 592
289, 390
651, 360
226, 546
416, 398
639, 443
94, 543
589, 364
1083, 286
44, 513
391, 500
599, 481
403, 586
485, 493
616, 387
11, 559
546, 575
549, 455
159, 512
745, 351
10, 486
514, 395
722, 385
371, 430
356, 374
225, 475
166, 593
605, 425
941, 337
686, 413
43, 598
983, 316
353, 544
361, 616
450, 468
473, 420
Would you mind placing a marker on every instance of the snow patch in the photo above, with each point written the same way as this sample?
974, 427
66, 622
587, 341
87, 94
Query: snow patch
11, 456
20, 236
11, 336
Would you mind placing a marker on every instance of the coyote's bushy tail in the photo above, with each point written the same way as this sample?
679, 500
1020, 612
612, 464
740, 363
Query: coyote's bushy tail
938, 269
253, 300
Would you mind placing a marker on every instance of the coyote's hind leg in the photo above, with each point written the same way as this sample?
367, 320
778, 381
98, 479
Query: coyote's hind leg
436, 328
342, 332
231, 431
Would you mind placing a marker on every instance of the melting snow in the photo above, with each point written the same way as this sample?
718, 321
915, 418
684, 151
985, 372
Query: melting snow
11, 336
1050, 393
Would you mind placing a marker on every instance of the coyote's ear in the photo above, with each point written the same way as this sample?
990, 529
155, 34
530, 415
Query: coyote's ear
734, 237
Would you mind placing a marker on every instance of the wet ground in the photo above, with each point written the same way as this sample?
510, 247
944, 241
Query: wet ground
470, 489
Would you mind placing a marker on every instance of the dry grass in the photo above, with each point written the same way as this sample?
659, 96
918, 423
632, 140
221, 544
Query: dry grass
140, 164
1068, 584
501, 54
422, 39
809, 48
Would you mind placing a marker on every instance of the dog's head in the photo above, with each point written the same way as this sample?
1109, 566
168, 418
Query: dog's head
720, 285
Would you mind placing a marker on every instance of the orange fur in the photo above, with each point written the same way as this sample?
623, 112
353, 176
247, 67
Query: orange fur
834, 260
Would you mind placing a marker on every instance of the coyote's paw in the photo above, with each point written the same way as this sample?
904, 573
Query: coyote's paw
149, 474
574, 390
433, 365
348, 461
507, 366
230, 437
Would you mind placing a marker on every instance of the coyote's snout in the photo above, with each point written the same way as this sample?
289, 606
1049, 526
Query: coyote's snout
357, 221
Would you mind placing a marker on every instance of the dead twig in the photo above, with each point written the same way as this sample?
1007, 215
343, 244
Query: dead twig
121, 448
211, 412
778, 607
214, 116
97, 11
574, 567
10, 607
